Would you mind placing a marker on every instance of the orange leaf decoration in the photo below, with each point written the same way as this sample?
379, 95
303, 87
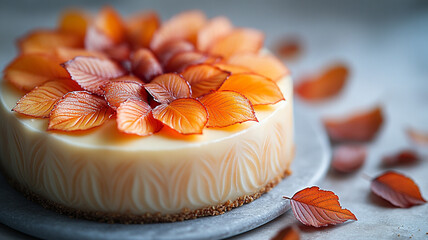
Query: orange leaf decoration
238, 41
45, 41
258, 89
167, 51
95, 40
74, 22
265, 65
145, 65
168, 87
288, 233
204, 78
135, 117
327, 85
233, 69
183, 26
360, 127
349, 157
79, 110
289, 48
418, 137
404, 157
318, 208
127, 78
66, 54
214, 30
40, 101
397, 189
226, 108
109, 22
118, 92
31, 70
140, 29
92, 73
119, 52
185, 115
182, 60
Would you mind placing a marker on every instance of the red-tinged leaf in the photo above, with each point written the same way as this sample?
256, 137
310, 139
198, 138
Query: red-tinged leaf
185, 115
397, 189
325, 86
266, 65
204, 78
183, 26
30, 70
79, 110
182, 60
127, 78
359, 127
66, 54
226, 108
418, 137
288, 233
145, 65
40, 101
118, 92
349, 157
135, 117
109, 22
233, 69
238, 41
319, 208
168, 87
74, 22
167, 51
404, 157
289, 48
95, 40
140, 29
258, 89
214, 30
46, 41
92, 73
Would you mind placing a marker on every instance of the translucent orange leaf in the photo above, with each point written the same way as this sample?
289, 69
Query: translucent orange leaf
397, 189
418, 137
168, 87
182, 60
46, 41
258, 89
289, 48
75, 22
109, 22
95, 40
319, 208
127, 78
238, 41
215, 29
233, 69
30, 70
118, 92
185, 115
204, 78
79, 110
348, 157
327, 85
183, 26
167, 51
404, 157
92, 73
40, 101
266, 65
135, 117
145, 65
226, 108
120, 52
288, 233
359, 127
140, 29
66, 54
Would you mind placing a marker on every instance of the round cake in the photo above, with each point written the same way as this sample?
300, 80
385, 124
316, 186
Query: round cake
191, 138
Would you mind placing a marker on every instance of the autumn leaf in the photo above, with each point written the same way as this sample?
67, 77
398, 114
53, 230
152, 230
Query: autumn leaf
74, 22
214, 30
233, 69
318, 208
404, 157
204, 78
168, 87
66, 54
141, 27
109, 22
167, 51
348, 157
418, 137
289, 48
118, 92
182, 60
145, 65
45, 41
95, 40
288, 233
397, 189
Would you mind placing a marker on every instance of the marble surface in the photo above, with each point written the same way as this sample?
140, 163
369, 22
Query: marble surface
383, 42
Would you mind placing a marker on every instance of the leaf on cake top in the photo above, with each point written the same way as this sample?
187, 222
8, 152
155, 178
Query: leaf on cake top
182, 60
214, 30
204, 78
170, 49
168, 87
145, 65
233, 69
119, 91
109, 22
65, 54
45, 41
135, 117
74, 22
140, 29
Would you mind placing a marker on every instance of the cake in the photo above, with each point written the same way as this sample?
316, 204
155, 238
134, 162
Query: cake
137, 121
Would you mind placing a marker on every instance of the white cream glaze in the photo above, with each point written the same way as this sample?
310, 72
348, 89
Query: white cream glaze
103, 170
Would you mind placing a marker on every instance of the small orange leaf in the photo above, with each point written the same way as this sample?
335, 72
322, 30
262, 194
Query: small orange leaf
397, 189
266, 65
204, 78
66, 54
168, 87
327, 85
359, 127
118, 92
135, 117
185, 115
215, 29
79, 110
92, 73
349, 157
258, 89
233, 69
404, 157
46, 41
145, 65
226, 108
288, 233
418, 137
238, 41
141, 27
167, 51
182, 60
95, 40
30, 70
40, 101
109, 22
120, 52
183, 26
319, 208
74, 22
289, 48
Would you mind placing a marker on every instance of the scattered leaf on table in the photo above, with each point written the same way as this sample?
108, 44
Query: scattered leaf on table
214, 30
404, 157
135, 117
288, 233
362, 126
168, 87
348, 157
289, 48
204, 78
418, 137
118, 92
397, 189
318, 208
145, 65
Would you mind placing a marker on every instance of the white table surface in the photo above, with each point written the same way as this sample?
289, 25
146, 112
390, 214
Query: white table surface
385, 43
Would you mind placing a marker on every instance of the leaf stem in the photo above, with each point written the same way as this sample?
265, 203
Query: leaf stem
286, 197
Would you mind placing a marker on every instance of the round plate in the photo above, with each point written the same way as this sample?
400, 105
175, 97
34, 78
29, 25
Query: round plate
309, 166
